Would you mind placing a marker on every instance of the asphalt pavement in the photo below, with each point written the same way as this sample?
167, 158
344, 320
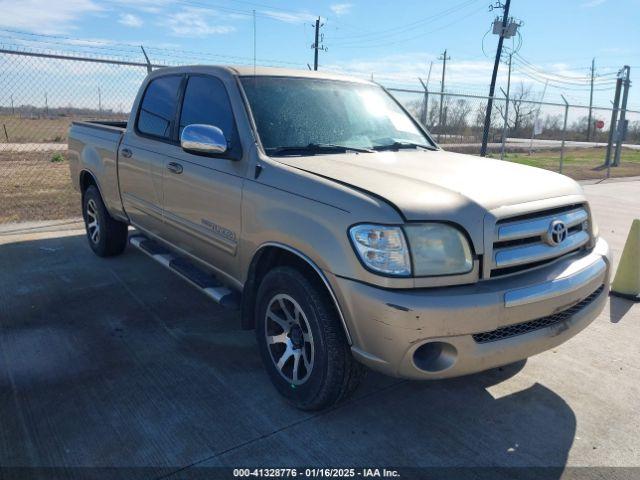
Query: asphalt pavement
118, 363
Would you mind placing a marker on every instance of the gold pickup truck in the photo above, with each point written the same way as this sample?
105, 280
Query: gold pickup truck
317, 206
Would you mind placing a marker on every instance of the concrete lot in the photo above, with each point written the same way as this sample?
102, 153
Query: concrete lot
119, 363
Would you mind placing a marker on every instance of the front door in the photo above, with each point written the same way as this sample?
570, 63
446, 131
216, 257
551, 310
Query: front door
142, 153
202, 194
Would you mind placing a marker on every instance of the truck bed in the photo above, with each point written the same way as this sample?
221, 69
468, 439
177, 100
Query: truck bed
93, 147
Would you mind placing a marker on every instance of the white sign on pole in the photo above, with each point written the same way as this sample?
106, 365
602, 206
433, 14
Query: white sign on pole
537, 126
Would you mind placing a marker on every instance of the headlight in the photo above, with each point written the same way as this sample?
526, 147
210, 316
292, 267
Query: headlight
438, 249
382, 249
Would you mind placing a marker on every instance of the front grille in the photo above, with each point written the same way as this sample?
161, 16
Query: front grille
526, 327
522, 243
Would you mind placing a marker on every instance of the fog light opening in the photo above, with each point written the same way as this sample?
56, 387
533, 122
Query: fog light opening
435, 356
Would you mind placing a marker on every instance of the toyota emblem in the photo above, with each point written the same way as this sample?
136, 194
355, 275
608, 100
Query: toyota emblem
557, 233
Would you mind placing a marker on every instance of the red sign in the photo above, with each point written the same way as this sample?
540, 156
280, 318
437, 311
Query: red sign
600, 124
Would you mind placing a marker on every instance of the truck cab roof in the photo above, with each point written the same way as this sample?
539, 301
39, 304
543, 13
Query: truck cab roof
249, 71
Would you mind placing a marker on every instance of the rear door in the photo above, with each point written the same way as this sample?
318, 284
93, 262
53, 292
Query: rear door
202, 194
143, 151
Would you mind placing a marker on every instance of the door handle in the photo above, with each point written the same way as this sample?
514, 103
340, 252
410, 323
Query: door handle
126, 153
174, 167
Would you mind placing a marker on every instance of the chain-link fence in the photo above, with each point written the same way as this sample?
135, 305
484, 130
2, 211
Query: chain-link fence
566, 138
41, 94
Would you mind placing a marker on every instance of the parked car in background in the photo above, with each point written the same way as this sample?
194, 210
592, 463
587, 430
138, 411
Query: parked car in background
347, 238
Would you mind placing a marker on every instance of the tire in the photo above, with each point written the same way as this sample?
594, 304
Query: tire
107, 236
311, 331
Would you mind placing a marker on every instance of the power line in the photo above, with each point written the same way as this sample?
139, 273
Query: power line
403, 40
569, 79
526, 69
560, 86
406, 27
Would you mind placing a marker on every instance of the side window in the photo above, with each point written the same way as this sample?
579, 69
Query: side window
158, 106
206, 102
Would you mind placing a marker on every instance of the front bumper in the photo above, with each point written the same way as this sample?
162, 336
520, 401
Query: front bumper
429, 333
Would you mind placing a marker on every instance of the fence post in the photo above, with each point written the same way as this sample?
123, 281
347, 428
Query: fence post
149, 68
564, 130
425, 104
440, 116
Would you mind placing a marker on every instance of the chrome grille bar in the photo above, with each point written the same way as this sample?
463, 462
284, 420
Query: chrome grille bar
523, 242
538, 226
537, 252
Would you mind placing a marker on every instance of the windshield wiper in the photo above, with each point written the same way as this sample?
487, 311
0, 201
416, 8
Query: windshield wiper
314, 148
401, 145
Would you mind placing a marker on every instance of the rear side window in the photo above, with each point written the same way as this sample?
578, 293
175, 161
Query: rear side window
206, 102
158, 107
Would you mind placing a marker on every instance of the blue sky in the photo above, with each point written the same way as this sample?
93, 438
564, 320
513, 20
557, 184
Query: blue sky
393, 40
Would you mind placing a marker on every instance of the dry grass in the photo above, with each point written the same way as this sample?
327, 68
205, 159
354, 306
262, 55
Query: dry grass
580, 163
33, 187
34, 130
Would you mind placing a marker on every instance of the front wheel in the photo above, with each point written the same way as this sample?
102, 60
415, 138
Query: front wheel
301, 341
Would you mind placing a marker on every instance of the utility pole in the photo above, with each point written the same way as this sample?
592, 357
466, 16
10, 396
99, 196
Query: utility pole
492, 87
622, 124
444, 59
46, 104
99, 101
506, 110
593, 74
316, 45
614, 120
13, 111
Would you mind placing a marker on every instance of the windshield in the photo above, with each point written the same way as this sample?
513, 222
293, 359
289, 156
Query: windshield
314, 115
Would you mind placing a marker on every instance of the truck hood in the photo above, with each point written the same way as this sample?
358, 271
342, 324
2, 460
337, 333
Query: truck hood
437, 184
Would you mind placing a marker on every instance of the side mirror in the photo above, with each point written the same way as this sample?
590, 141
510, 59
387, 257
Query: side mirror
199, 138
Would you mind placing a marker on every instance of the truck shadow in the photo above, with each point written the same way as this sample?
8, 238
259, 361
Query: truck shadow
129, 365
484, 421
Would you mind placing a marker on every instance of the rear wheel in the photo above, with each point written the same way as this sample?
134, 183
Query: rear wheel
107, 236
302, 342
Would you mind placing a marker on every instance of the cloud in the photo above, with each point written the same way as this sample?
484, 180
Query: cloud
196, 22
289, 17
130, 20
341, 8
147, 6
42, 16
592, 3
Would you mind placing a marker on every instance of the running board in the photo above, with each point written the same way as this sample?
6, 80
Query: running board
205, 282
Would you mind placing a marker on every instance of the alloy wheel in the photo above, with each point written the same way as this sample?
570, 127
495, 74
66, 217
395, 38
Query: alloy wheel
93, 225
289, 339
